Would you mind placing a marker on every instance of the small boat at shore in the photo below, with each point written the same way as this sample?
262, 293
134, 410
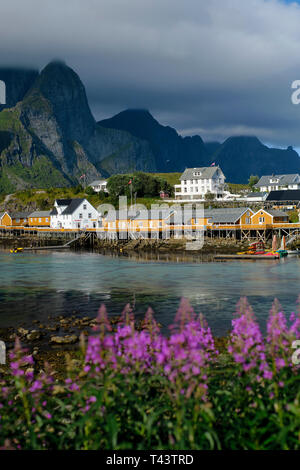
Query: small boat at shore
16, 250
257, 249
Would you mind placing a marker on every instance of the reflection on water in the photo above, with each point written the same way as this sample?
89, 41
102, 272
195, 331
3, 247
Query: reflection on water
36, 285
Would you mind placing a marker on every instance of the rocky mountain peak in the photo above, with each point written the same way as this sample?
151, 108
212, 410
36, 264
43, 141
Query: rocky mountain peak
62, 87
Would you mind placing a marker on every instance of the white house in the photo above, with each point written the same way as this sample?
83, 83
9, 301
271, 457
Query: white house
99, 185
197, 182
278, 182
73, 214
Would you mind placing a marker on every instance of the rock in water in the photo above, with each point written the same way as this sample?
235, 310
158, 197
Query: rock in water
68, 339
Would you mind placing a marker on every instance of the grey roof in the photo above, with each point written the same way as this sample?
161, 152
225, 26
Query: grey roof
283, 179
40, 214
276, 213
225, 215
53, 211
95, 183
74, 204
257, 194
139, 215
206, 173
284, 195
20, 215
63, 202
221, 215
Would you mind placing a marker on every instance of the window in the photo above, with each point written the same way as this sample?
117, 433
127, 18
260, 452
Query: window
40, 220
89, 215
80, 216
84, 207
261, 220
47, 220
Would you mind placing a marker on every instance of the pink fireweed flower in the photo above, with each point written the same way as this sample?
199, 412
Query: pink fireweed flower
184, 315
149, 323
127, 317
103, 323
246, 341
280, 336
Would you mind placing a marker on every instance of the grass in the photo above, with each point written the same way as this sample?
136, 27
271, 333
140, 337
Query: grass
171, 178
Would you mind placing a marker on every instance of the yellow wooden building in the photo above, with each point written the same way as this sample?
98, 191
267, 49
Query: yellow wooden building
19, 219
5, 219
39, 219
269, 217
15, 219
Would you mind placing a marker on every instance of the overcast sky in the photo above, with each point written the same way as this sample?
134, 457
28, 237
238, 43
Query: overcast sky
211, 67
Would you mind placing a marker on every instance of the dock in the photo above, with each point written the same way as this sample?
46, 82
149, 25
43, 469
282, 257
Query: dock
55, 247
252, 257
58, 247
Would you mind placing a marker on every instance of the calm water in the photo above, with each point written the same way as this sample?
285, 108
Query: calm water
35, 285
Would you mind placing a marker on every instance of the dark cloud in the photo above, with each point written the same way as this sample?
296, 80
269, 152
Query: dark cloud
217, 67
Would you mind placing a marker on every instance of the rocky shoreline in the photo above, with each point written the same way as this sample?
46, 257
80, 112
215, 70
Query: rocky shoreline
172, 245
54, 340
60, 340
142, 246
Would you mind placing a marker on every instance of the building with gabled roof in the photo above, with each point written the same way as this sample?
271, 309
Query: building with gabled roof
269, 217
99, 185
5, 219
74, 214
196, 183
39, 219
278, 182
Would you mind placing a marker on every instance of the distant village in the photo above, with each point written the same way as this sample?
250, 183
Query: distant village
274, 194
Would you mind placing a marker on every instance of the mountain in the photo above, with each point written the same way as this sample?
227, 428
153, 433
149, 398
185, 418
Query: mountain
240, 157
212, 147
171, 151
50, 137
18, 81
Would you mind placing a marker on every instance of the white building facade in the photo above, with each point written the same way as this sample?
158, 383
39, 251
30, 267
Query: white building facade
196, 183
99, 185
278, 182
74, 214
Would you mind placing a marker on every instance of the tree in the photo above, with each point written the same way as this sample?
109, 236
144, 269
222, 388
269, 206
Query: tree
209, 196
252, 181
139, 183
89, 190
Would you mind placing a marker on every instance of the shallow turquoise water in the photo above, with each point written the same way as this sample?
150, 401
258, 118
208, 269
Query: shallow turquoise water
37, 285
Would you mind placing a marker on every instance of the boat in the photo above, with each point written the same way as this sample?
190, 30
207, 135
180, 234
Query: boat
282, 253
16, 250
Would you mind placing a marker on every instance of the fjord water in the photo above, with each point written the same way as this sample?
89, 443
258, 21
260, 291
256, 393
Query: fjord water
36, 285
